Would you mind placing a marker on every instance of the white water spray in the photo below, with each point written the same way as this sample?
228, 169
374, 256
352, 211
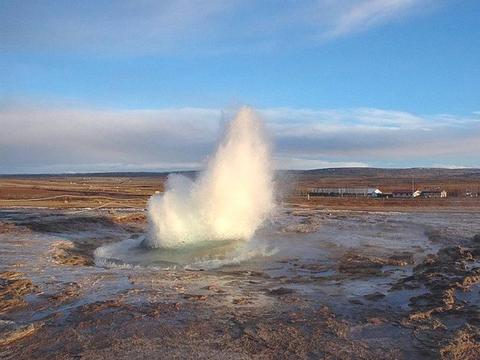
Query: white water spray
230, 199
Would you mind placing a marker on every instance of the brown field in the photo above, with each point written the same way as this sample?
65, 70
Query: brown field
78, 192
368, 204
100, 191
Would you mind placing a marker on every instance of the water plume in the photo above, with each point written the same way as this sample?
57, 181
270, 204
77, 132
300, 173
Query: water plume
229, 200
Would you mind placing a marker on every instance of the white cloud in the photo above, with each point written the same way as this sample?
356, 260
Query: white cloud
363, 14
292, 163
43, 139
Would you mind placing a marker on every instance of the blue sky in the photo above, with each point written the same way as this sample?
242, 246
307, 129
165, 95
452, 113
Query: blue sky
392, 83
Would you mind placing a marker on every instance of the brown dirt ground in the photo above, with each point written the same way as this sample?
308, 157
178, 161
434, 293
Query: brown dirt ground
133, 192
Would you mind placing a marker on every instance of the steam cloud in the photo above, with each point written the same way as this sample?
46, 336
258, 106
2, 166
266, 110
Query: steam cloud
228, 201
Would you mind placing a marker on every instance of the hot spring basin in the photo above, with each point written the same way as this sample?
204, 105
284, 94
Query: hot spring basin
201, 255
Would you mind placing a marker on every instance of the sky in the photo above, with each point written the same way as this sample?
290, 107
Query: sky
145, 85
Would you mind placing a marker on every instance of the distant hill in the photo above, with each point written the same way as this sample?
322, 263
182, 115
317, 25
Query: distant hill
325, 173
100, 174
397, 173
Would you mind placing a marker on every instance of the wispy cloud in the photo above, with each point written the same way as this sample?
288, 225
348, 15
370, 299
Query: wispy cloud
45, 139
360, 15
150, 26
112, 26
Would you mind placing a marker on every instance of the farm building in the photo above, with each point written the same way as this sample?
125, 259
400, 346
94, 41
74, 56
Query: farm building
402, 193
356, 192
434, 193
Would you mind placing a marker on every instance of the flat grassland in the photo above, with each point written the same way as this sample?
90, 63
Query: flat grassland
133, 190
66, 192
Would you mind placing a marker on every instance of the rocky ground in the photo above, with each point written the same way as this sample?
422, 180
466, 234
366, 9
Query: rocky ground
342, 285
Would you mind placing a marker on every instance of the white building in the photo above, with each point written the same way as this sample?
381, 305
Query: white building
355, 192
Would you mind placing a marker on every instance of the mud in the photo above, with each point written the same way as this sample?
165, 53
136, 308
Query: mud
339, 285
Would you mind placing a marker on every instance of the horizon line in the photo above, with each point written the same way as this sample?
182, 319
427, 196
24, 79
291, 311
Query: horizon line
166, 172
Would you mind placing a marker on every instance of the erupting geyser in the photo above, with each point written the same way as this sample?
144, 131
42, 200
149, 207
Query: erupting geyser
229, 200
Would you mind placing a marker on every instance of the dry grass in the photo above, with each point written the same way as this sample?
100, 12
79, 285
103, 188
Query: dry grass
67, 192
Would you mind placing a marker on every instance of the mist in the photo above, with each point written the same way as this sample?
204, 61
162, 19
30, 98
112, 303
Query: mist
229, 200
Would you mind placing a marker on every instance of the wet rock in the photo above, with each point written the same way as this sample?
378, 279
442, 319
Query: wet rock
376, 321
280, 291
402, 259
69, 224
13, 287
355, 301
447, 268
356, 264
454, 254
374, 296
470, 279
68, 253
465, 344
11, 331
433, 302
443, 275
